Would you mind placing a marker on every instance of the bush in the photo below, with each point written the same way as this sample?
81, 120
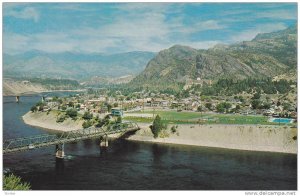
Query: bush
208, 106
12, 182
71, 113
174, 129
33, 108
255, 104
87, 124
60, 118
119, 119
100, 123
87, 116
223, 107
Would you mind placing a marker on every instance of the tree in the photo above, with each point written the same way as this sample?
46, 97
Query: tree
100, 123
33, 108
87, 124
157, 126
174, 129
71, 104
71, 113
119, 119
40, 105
97, 118
103, 122
109, 107
208, 105
286, 106
60, 118
256, 95
241, 99
223, 107
12, 182
87, 115
200, 109
255, 103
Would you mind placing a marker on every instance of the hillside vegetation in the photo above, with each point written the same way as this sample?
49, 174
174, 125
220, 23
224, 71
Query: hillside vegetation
267, 55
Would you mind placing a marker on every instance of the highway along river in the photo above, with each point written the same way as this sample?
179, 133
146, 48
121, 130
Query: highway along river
127, 165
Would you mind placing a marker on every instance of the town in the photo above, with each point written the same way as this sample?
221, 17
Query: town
98, 103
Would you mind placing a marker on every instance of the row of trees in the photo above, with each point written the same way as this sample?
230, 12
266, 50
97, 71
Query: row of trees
56, 83
231, 87
38, 107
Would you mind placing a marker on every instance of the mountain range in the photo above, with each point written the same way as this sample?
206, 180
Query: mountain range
267, 55
74, 65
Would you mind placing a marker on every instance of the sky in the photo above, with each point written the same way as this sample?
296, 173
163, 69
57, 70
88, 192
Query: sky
123, 27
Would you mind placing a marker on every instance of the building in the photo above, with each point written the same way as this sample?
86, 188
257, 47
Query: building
116, 112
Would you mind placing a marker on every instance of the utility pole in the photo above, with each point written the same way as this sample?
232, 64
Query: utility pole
143, 104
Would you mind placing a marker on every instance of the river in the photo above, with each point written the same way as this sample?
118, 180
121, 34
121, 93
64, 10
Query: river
128, 165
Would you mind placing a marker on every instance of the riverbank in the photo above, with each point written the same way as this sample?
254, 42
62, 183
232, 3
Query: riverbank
27, 92
242, 137
48, 121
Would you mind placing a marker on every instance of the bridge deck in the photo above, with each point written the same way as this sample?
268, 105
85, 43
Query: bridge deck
39, 141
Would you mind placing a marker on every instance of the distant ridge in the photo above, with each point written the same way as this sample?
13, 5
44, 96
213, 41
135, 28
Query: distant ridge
74, 65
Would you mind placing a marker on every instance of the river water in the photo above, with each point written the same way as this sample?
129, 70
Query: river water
128, 165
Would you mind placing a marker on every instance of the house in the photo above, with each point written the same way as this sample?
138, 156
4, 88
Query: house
116, 112
156, 102
164, 103
52, 104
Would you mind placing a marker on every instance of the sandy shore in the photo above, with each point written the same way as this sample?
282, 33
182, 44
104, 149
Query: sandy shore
41, 119
243, 137
48, 121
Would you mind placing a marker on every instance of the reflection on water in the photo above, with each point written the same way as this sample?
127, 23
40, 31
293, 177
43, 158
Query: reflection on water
127, 165
59, 166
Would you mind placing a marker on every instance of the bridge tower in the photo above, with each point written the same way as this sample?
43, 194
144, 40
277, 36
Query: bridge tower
104, 141
60, 151
17, 98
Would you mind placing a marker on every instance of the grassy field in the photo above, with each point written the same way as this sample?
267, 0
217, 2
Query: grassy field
201, 118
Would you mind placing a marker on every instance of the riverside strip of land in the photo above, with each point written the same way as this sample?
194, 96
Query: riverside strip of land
243, 136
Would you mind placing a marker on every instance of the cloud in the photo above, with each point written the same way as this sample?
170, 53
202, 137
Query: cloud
27, 13
250, 33
15, 43
278, 14
199, 26
132, 26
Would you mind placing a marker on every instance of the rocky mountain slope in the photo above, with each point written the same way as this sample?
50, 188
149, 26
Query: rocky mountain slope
97, 81
11, 87
267, 55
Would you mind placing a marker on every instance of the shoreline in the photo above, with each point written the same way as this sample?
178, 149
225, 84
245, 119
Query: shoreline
42, 120
265, 138
42, 91
268, 138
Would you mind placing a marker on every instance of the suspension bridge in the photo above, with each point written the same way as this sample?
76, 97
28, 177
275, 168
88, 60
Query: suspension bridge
44, 140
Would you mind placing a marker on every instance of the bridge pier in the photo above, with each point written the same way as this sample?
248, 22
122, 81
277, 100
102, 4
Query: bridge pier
60, 151
104, 141
17, 99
